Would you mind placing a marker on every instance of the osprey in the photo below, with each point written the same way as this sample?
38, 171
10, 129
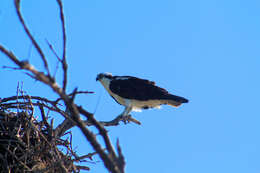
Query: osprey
135, 93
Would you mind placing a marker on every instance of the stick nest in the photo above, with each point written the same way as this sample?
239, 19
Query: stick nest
28, 145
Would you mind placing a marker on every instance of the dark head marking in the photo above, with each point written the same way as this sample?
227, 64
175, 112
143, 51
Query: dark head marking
104, 75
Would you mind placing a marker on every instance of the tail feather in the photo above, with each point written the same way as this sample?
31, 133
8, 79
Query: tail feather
175, 101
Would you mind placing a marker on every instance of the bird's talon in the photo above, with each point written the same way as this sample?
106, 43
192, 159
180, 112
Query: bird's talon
125, 118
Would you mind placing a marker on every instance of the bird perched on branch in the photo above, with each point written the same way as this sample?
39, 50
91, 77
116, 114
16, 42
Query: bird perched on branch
136, 94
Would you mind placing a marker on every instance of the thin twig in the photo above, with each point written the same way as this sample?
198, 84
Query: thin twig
13, 68
89, 155
56, 55
53, 51
115, 122
82, 167
78, 92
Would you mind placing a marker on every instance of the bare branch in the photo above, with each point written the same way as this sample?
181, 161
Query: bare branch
36, 45
11, 56
111, 161
78, 92
121, 159
27, 66
27, 96
115, 122
67, 124
101, 129
64, 62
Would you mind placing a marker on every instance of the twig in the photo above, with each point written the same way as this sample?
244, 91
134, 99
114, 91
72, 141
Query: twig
89, 155
56, 55
25, 166
49, 128
78, 92
119, 118
82, 167
53, 51
13, 68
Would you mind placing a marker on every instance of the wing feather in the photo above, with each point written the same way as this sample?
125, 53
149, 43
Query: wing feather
136, 88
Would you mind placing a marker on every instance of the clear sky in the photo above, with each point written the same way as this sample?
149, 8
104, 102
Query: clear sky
206, 51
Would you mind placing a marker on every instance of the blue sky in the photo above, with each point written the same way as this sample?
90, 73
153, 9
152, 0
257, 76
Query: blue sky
206, 51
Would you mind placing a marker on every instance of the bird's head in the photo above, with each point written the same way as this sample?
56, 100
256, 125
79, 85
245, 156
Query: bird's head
101, 76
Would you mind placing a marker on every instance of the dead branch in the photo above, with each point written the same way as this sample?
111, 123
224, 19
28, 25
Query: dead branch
35, 44
13, 102
64, 62
121, 159
109, 162
113, 162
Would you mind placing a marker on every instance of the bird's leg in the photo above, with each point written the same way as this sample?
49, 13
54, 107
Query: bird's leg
125, 114
127, 111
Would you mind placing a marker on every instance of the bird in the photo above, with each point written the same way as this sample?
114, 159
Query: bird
136, 93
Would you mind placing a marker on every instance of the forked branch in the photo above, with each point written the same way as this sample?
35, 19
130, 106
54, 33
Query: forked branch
112, 161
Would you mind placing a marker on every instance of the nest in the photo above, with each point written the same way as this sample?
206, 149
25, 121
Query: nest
28, 145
